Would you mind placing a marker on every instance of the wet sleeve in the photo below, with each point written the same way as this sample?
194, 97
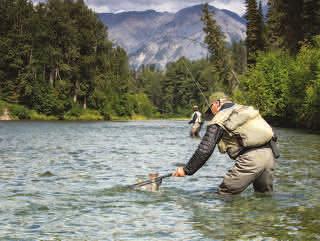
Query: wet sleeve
195, 116
205, 149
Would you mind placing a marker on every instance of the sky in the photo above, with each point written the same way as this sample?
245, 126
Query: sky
115, 6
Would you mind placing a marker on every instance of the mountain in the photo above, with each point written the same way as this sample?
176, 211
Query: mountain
151, 37
131, 29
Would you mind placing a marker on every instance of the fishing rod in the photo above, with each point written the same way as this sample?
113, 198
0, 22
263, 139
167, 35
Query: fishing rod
146, 182
196, 82
202, 45
192, 76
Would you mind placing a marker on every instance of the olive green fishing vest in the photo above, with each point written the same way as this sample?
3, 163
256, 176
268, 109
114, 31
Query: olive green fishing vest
244, 128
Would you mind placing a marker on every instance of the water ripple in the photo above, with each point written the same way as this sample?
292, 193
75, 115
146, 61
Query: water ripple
68, 181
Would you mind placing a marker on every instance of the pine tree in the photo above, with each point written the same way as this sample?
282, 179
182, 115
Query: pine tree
285, 24
56, 55
294, 25
311, 18
239, 57
215, 40
275, 24
214, 36
254, 32
15, 47
261, 28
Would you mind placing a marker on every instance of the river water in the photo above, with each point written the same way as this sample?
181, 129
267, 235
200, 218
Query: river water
65, 181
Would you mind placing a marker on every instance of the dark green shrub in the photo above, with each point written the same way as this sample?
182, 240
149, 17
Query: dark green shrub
20, 112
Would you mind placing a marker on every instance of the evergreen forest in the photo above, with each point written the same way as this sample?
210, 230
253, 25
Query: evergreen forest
57, 62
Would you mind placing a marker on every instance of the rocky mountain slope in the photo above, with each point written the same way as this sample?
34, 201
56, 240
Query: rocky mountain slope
151, 37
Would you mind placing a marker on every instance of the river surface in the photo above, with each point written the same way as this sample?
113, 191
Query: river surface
65, 181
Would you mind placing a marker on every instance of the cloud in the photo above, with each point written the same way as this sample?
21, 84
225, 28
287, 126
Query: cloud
140, 5
235, 6
158, 5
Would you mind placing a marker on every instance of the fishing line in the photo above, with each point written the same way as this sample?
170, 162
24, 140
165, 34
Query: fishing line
197, 83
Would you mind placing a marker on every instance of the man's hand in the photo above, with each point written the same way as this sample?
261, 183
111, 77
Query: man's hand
179, 172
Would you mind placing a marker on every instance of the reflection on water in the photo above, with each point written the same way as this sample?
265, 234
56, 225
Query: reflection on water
67, 181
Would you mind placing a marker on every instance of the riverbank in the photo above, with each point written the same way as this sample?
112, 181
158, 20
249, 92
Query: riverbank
5, 115
15, 112
18, 112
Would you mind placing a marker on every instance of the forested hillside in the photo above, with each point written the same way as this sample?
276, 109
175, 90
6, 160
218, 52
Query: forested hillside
56, 58
57, 61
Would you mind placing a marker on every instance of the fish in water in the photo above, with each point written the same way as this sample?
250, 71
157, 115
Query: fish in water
154, 185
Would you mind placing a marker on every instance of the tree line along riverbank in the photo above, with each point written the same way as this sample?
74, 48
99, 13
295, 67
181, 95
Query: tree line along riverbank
57, 62
14, 112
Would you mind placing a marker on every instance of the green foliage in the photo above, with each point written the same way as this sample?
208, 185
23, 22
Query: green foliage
239, 57
57, 60
182, 84
285, 88
19, 112
215, 39
149, 80
305, 74
311, 105
41, 117
57, 54
284, 82
77, 113
311, 18
2, 107
255, 29
266, 85
285, 24
140, 105
46, 101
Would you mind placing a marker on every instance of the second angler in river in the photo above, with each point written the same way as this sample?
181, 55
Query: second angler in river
196, 122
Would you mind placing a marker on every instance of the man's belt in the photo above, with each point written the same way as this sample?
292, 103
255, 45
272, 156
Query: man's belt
247, 149
272, 144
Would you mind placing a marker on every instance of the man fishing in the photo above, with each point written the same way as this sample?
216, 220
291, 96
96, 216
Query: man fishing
196, 122
246, 137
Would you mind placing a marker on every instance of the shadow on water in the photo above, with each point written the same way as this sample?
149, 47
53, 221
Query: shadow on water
113, 191
247, 217
46, 174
